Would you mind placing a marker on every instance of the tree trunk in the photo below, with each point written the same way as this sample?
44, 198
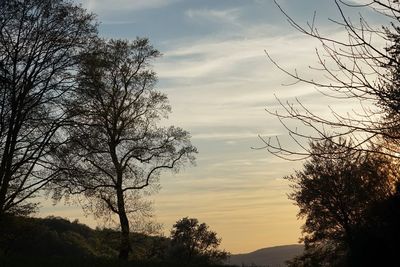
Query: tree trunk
4, 188
125, 246
6, 162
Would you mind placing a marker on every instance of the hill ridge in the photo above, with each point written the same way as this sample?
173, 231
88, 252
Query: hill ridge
268, 256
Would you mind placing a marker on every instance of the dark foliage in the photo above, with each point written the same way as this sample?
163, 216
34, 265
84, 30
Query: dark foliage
192, 242
50, 237
376, 242
349, 202
57, 237
55, 241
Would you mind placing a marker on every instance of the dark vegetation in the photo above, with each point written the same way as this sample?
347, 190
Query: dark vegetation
193, 242
56, 241
348, 191
351, 207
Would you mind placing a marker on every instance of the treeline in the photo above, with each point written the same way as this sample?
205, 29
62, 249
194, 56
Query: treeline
56, 241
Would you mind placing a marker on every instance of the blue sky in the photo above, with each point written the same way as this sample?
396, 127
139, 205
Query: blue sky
219, 82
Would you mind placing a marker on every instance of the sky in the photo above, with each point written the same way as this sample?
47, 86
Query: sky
219, 82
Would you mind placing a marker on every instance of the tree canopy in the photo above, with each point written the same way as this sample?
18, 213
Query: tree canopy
193, 241
335, 195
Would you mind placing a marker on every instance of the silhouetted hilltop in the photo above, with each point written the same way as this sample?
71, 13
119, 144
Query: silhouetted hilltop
272, 257
55, 241
58, 237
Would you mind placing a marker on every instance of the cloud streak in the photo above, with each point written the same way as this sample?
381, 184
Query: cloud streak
101, 6
230, 16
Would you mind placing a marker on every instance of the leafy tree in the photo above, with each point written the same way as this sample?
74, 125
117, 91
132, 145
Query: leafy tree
39, 44
335, 194
116, 146
363, 66
376, 241
192, 241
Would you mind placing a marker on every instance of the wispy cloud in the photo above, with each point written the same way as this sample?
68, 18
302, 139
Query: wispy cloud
229, 81
104, 5
225, 56
230, 135
214, 15
361, 2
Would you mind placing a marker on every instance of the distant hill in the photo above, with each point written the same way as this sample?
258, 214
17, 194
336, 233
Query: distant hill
271, 257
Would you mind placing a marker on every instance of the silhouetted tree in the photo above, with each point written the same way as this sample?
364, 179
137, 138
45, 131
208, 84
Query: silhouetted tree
335, 192
364, 66
192, 241
39, 44
376, 241
116, 146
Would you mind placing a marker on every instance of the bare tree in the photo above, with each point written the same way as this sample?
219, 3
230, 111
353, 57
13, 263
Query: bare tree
364, 66
39, 44
116, 146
